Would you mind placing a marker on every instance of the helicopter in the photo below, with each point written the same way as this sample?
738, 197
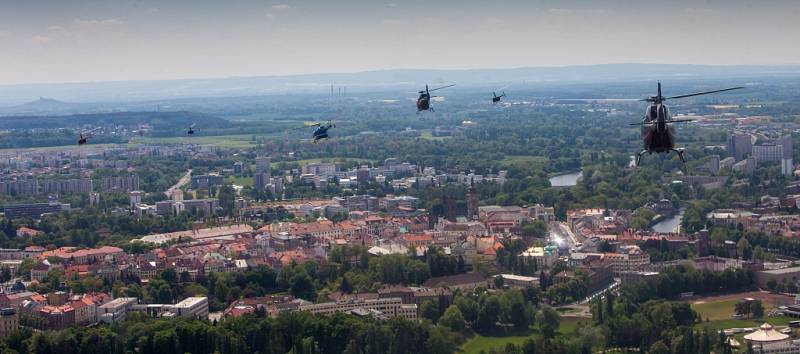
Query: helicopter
83, 136
321, 132
191, 129
424, 100
497, 98
658, 134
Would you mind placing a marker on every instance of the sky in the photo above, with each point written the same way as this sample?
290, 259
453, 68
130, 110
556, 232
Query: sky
53, 41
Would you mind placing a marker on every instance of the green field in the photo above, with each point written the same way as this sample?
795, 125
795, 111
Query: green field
325, 159
429, 136
225, 141
477, 343
719, 313
239, 181
524, 159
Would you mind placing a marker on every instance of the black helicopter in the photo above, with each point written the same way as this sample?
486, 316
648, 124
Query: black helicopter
424, 100
497, 98
83, 136
658, 134
322, 130
191, 129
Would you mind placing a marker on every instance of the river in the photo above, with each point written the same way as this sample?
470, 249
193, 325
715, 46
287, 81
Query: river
669, 224
566, 180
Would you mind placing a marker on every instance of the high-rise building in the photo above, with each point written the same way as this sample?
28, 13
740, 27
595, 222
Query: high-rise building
238, 168
739, 146
135, 198
768, 153
9, 321
94, 199
260, 181
263, 165
472, 201
33, 210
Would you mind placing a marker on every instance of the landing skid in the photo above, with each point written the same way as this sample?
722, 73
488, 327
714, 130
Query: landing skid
677, 151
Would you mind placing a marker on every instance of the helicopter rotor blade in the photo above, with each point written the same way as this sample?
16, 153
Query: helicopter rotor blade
703, 93
642, 123
680, 121
439, 88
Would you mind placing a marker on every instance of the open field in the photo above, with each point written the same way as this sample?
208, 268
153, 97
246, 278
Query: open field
429, 136
239, 181
512, 159
477, 343
718, 310
226, 141
324, 159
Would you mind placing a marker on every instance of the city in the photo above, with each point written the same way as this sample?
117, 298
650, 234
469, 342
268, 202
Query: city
328, 197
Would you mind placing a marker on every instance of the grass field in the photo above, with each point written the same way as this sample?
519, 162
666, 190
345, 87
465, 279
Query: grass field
719, 312
324, 159
429, 136
524, 159
225, 141
239, 181
477, 343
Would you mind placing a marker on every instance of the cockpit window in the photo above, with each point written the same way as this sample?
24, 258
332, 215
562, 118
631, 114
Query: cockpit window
653, 112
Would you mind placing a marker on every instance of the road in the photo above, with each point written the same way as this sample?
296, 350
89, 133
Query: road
185, 179
561, 235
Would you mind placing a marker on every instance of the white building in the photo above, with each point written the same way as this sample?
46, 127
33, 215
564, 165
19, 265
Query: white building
195, 307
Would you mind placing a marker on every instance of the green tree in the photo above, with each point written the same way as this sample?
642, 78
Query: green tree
430, 310
489, 313
548, 320
468, 308
452, 319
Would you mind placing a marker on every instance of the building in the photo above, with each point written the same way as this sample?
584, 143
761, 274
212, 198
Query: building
783, 275
629, 258
115, 310
201, 206
472, 201
207, 181
33, 210
135, 198
390, 307
544, 257
768, 153
121, 184
195, 307
740, 146
9, 321
465, 282
263, 165
518, 281
767, 340
57, 317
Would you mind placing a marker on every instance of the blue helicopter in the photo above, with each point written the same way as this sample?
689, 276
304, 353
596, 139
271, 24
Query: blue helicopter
321, 132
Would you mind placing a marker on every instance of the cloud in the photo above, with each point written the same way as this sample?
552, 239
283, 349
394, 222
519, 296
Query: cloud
4, 33
389, 21
96, 23
269, 16
281, 7
559, 11
42, 39
493, 21
153, 10
697, 10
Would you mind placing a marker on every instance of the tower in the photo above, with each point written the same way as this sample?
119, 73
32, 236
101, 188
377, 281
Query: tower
472, 200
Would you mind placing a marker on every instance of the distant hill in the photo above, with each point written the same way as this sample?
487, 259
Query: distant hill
158, 120
137, 91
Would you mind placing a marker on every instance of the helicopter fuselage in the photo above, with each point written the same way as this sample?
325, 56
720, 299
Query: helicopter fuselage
423, 102
321, 132
657, 135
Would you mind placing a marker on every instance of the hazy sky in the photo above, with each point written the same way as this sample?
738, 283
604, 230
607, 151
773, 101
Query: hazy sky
96, 40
